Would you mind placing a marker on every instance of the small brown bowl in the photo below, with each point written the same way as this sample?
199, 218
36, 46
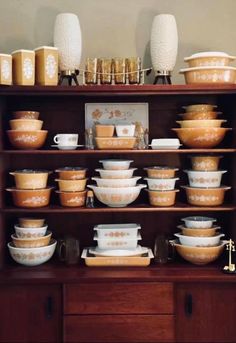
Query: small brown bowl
104, 130
158, 172
209, 232
26, 124
205, 115
31, 222
71, 173
205, 196
31, 242
72, 199
162, 198
71, 185
199, 107
27, 139
30, 198
205, 163
25, 114
30, 178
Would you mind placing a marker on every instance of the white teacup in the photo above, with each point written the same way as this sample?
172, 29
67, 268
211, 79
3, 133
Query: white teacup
66, 139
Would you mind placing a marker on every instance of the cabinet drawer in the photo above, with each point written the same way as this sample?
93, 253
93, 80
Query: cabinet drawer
119, 298
119, 328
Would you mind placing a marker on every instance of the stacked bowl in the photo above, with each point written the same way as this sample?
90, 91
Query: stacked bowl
31, 243
26, 130
116, 186
204, 187
161, 185
199, 242
209, 67
200, 128
31, 188
117, 240
72, 183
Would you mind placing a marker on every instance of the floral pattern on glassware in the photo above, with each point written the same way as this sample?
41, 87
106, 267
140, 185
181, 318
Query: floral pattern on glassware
28, 68
35, 200
5, 69
204, 180
204, 165
51, 66
31, 256
76, 200
203, 198
25, 138
117, 234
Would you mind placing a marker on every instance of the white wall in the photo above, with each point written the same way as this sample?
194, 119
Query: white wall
121, 27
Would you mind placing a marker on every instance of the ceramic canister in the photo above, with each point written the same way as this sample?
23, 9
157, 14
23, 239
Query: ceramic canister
23, 70
5, 69
46, 66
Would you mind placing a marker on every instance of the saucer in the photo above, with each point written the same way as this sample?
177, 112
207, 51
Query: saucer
66, 147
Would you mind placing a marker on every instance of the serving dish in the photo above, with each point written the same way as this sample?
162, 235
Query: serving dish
104, 130
30, 178
198, 222
71, 185
205, 178
194, 241
71, 173
129, 230
209, 58
30, 198
27, 139
209, 232
125, 130
72, 199
117, 261
165, 143
32, 242
116, 174
116, 182
201, 137
117, 242
199, 255
26, 124
209, 74
206, 196
114, 143
115, 164
205, 163
31, 222
138, 251
32, 256
162, 198
201, 123
161, 184
117, 197
29, 232
159, 172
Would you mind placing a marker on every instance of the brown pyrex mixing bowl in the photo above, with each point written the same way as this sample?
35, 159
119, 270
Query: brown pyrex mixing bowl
199, 107
27, 139
26, 124
205, 163
205, 115
201, 137
72, 199
158, 172
205, 196
162, 198
30, 178
201, 123
31, 222
30, 198
211, 74
71, 185
71, 173
25, 114
209, 232
31, 242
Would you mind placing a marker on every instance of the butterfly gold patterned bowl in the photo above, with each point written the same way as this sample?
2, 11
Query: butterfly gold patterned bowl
104, 130
72, 199
71, 185
32, 256
26, 124
201, 123
32, 242
71, 173
30, 232
162, 198
209, 232
197, 115
30, 178
29, 222
201, 137
205, 196
115, 143
210, 74
30, 198
27, 139
161, 184
205, 178
209, 58
205, 163
25, 114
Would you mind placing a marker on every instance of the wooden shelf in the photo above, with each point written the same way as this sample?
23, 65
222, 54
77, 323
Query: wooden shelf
179, 207
101, 152
117, 90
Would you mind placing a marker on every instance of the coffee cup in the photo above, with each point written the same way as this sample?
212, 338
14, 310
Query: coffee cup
66, 139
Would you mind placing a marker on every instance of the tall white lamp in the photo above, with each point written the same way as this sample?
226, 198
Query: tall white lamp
67, 38
163, 47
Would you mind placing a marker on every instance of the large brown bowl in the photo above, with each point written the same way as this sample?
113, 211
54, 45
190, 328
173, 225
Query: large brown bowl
205, 196
209, 232
30, 198
162, 198
72, 199
30, 178
27, 139
201, 137
31, 242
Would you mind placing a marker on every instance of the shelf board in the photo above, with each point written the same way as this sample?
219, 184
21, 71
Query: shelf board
117, 90
179, 207
101, 152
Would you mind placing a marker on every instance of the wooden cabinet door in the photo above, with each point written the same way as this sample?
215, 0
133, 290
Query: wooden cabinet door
206, 312
30, 313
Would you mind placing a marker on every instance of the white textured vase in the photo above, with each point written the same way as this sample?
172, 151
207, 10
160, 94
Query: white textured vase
164, 42
67, 38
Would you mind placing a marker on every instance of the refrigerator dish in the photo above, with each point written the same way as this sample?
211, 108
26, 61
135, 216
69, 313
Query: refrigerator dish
118, 252
165, 143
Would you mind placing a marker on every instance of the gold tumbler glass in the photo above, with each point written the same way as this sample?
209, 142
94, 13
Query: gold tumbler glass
105, 69
119, 67
91, 65
133, 67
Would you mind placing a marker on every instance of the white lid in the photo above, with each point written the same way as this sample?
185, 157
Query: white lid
6, 55
165, 141
46, 47
206, 68
117, 226
209, 54
22, 50
138, 238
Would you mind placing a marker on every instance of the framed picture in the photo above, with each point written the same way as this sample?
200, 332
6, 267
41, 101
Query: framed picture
116, 113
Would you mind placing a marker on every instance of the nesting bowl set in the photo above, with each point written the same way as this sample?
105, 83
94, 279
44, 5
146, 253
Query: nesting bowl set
209, 67
200, 128
199, 241
124, 138
32, 244
161, 185
116, 186
26, 130
72, 186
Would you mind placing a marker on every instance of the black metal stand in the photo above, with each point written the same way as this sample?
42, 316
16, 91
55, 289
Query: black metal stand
162, 80
70, 76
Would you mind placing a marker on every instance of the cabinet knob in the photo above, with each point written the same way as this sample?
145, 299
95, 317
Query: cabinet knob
188, 305
49, 307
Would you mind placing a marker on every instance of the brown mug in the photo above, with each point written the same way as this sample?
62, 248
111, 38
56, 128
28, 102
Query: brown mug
68, 250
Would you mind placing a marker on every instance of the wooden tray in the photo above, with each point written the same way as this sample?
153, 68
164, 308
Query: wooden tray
118, 261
